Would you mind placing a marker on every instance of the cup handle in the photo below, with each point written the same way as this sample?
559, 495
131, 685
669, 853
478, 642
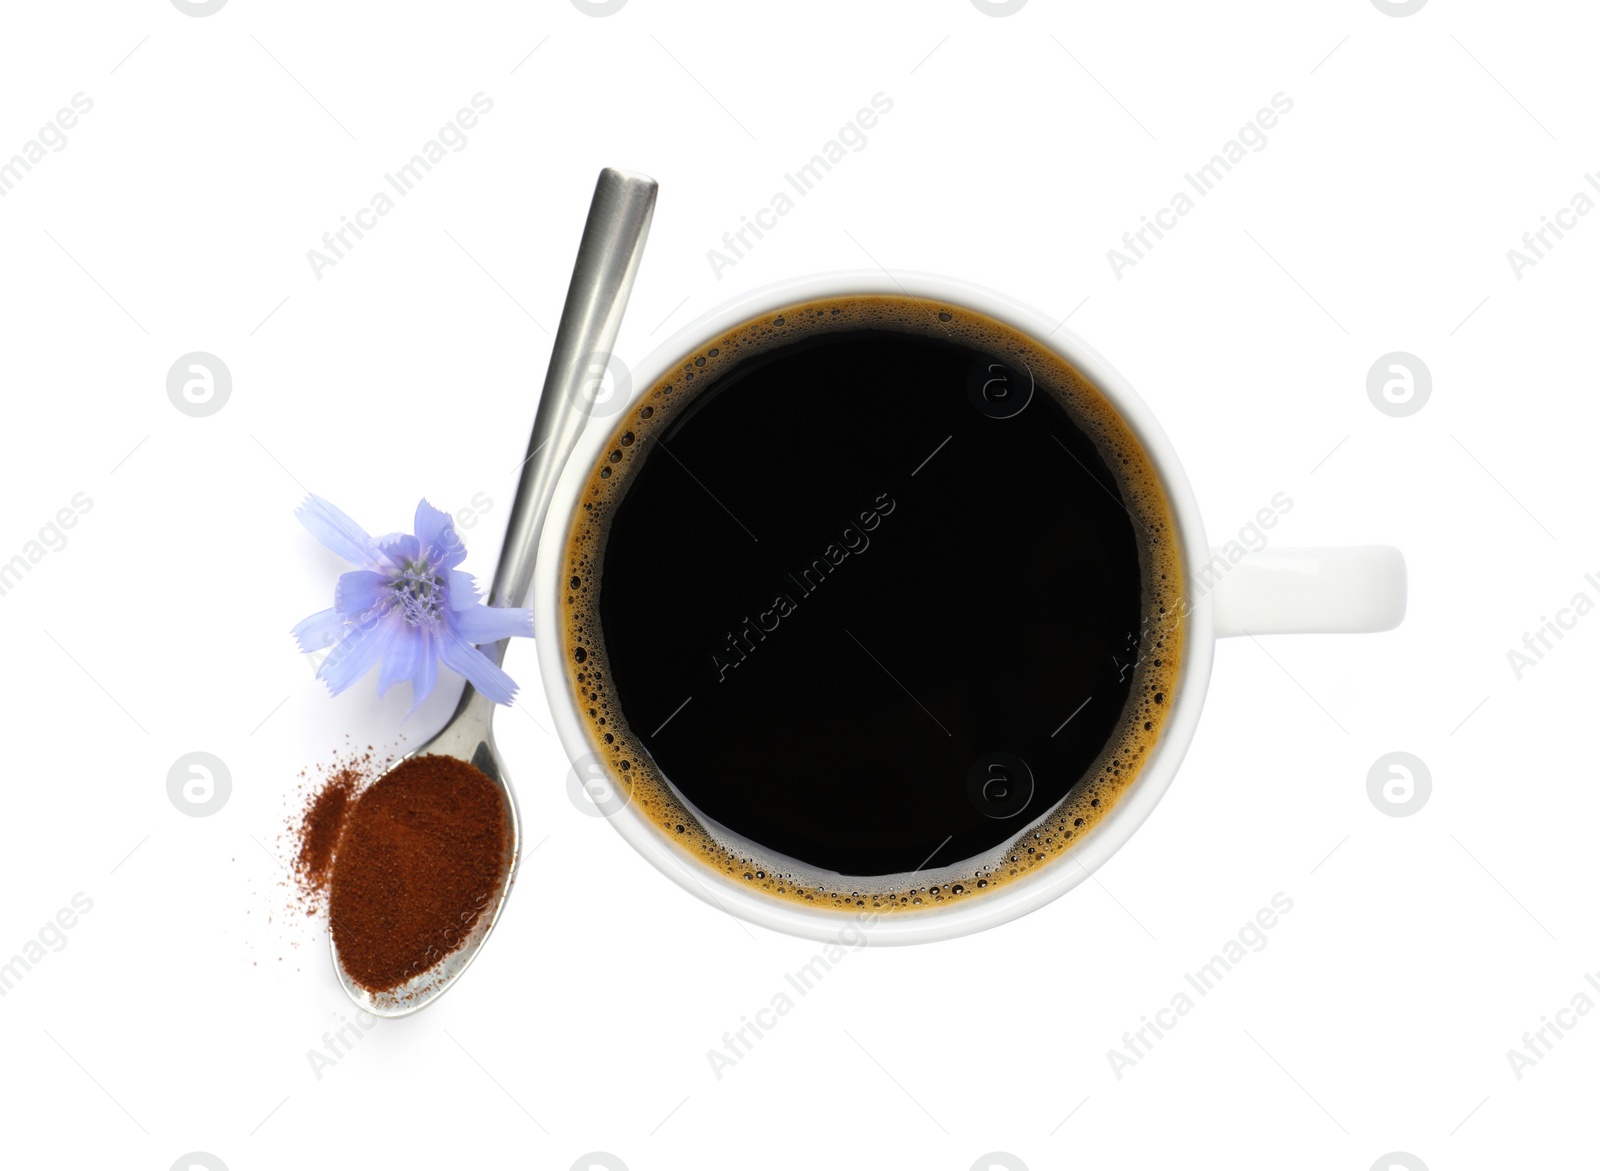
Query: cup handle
1354, 589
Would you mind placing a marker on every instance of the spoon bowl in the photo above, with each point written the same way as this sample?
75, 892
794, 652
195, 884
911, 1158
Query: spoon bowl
468, 736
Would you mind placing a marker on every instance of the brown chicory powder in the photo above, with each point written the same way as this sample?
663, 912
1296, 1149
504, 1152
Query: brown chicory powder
416, 861
326, 795
321, 826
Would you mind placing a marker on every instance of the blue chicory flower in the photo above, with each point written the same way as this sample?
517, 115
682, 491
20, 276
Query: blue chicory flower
408, 606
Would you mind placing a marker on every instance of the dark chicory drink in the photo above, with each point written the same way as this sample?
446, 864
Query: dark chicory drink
873, 602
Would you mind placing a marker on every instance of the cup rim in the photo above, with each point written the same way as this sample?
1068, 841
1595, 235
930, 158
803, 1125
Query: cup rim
1029, 892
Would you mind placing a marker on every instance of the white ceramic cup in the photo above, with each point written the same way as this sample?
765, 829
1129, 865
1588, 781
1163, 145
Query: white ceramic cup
1273, 591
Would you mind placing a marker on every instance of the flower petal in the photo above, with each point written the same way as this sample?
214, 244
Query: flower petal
485, 624
427, 671
399, 547
402, 658
462, 589
358, 650
360, 590
337, 531
473, 665
441, 544
320, 630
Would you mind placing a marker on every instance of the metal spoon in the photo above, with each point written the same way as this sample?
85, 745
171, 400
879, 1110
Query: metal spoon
608, 259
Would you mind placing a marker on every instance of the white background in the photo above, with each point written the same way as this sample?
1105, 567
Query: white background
179, 1014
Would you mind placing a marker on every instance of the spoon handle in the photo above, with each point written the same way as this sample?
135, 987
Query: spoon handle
608, 260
